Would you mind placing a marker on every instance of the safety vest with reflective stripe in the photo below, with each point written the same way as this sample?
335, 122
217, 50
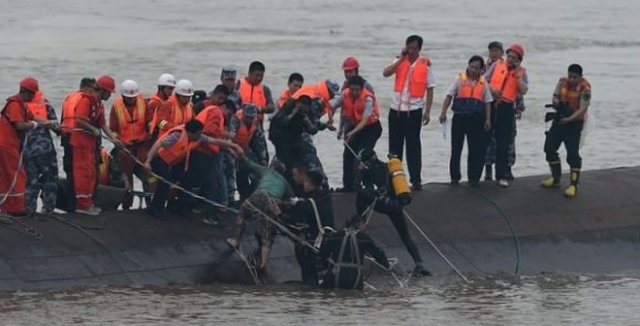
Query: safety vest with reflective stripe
417, 80
38, 106
253, 94
570, 95
132, 129
506, 81
103, 168
180, 150
180, 114
353, 109
470, 97
68, 122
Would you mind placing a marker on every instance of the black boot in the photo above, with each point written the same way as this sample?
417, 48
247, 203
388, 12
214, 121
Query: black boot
488, 172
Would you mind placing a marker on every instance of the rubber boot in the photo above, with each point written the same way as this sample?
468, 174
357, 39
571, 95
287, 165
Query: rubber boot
554, 180
420, 270
572, 190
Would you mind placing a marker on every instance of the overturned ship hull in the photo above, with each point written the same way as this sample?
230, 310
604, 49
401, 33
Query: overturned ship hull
598, 232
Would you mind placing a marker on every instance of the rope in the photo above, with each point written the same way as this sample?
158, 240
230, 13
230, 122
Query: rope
424, 235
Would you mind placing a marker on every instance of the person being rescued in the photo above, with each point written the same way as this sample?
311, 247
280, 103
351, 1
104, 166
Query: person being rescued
386, 189
308, 216
344, 251
262, 204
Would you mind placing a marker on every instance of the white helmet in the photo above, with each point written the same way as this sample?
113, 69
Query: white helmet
184, 87
167, 80
129, 88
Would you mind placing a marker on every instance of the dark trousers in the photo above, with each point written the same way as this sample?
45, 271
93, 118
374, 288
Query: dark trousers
366, 138
244, 182
406, 127
393, 210
172, 174
569, 134
204, 171
505, 113
471, 126
307, 261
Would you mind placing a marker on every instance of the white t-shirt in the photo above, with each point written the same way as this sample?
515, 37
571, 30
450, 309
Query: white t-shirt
402, 101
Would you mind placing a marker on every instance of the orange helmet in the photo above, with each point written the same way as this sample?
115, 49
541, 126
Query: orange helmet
517, 48
107, 83
350, 63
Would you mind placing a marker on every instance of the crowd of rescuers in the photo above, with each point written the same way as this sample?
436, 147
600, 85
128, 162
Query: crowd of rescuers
216, 144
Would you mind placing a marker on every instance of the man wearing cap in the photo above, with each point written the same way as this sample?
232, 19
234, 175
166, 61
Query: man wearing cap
508, 80
496, 52
228, 79
15, 119
128, 122
40, 156
410, 105
351, 67
85, 137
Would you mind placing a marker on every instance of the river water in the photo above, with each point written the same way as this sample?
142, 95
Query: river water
60, 42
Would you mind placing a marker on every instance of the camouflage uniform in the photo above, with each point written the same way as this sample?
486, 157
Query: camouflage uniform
42, 167
256, 152
490, 157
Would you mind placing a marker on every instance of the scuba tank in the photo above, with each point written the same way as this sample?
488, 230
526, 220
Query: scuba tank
399, 180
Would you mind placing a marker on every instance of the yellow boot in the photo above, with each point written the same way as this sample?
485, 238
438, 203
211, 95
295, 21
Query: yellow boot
571, 191
550, 182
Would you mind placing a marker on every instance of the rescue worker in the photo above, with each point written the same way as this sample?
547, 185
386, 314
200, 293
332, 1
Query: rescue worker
244, 126
15, 120
345, 253
40, 156
252, 91
571, 100
471, 99
414, 82
88, 115
359, 125
166, 85
206, 161
176, 110
109, 172
295, 82
128, 121
508, 80
309, 215
67, 125
169, 158
351, 67
496, 53
228, 79
378, 184
262, 204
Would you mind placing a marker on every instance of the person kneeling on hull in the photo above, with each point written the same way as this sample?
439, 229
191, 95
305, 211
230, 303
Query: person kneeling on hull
345, 250
380, 181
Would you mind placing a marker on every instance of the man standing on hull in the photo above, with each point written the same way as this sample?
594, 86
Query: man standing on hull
410, 105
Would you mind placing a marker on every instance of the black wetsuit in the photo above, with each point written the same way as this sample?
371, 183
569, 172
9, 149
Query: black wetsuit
377, 183
303, 214
347, 273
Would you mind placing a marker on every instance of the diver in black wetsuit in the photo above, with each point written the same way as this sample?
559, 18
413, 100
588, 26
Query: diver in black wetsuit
345, 250
377, 184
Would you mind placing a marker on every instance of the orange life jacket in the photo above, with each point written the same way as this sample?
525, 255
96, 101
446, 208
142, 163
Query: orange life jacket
506, 81
284, 96
103, 168
38, 106
213, 120
153, 102
321, 91
418, 78
132, 129
9, 135
470, 97
244, 132
68, 122
180, 114
253, 94
353, 109
180, 150
571, 95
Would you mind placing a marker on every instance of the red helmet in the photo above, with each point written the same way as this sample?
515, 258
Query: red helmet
107, 83
30, 84
350, 63
517, 48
